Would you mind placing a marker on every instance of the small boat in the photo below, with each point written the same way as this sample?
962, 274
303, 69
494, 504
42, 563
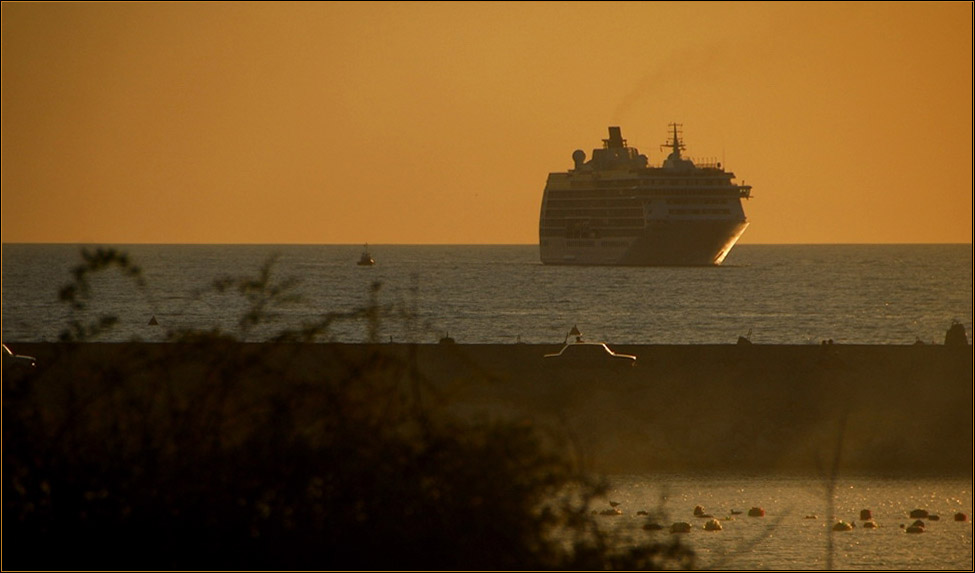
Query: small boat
366, 259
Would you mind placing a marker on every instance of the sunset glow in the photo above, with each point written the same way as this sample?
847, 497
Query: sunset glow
331, 122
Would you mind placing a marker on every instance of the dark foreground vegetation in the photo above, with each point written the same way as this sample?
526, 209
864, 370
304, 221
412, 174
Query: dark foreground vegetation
210, 454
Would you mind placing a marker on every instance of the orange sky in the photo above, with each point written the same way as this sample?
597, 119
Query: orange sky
439, 122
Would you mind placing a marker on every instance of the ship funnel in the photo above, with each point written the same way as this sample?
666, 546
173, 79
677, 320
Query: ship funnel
615, 138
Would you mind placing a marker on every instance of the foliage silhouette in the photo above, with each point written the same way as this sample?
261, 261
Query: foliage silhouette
211, 453
78, 293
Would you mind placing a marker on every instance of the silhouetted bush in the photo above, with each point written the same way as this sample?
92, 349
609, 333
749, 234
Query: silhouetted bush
209, 453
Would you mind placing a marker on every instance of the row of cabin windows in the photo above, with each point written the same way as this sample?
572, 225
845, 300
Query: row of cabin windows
590, 193
587, 220
612, 223
607, 214
588, 233
602, 218
591, 243
615, 204
698, 201
700, 211
670, 182
618, 202
550, 212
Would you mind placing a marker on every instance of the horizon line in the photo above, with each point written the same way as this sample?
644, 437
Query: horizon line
297, 244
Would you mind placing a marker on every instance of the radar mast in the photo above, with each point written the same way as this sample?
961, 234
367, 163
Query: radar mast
674, 160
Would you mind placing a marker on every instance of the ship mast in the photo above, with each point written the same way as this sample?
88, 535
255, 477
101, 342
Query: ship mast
674, 160
675, 144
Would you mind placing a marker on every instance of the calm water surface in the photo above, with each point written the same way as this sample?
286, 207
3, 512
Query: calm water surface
789, 537
788, 294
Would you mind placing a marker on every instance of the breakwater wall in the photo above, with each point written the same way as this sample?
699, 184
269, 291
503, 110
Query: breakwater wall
892, 410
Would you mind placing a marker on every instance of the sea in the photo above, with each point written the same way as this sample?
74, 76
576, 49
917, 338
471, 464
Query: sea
500, 294
476, 294
795, 531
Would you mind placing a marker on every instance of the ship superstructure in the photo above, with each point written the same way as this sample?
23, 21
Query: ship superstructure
616, 209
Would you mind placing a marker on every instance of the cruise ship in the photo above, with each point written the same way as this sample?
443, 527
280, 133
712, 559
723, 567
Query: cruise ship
617, 209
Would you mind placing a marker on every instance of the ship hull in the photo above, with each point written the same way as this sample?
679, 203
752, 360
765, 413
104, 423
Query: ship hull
662, 243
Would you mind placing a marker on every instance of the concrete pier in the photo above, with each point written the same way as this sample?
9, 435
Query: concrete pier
710, 408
